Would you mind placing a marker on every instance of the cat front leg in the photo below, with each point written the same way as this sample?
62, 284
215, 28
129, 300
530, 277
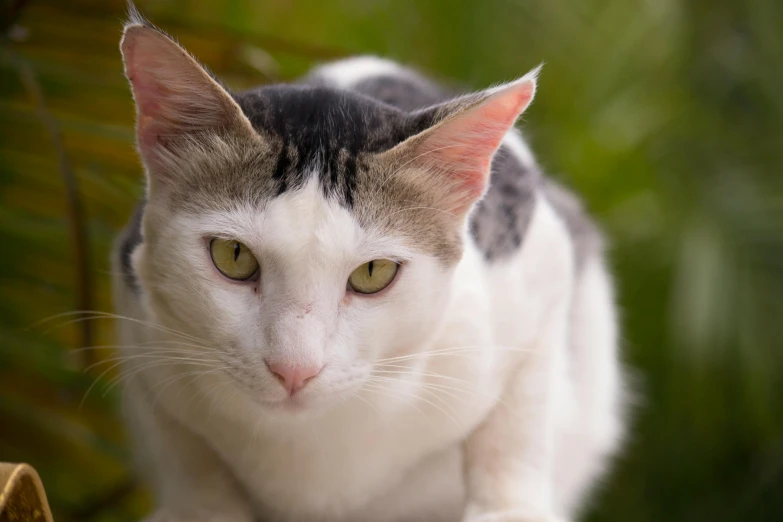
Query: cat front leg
509, 457
191, 484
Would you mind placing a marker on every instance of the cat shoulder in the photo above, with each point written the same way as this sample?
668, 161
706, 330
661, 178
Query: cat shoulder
383, 80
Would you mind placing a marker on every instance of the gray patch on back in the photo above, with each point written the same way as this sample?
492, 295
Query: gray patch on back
587, 238
408, 93
501, 218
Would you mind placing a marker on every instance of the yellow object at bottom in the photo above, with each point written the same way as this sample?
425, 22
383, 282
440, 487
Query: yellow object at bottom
22, 496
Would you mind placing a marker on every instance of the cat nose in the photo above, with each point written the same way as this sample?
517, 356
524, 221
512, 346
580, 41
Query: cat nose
293, 378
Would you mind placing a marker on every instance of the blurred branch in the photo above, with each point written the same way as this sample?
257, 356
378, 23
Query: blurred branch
11, 15
214, 32
265, 42
73, 202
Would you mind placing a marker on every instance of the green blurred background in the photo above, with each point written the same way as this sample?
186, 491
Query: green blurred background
666, 115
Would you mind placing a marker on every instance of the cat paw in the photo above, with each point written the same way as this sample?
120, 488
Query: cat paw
167, 516
512, 516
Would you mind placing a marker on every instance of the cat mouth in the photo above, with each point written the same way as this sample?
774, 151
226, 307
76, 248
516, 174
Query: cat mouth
293, 403
310, 402
296, 406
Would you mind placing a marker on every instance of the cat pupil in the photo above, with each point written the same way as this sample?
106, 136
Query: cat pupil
369, 267
237, 249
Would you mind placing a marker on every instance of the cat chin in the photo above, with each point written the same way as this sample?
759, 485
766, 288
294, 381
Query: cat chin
295, 406
297, 410
307, 405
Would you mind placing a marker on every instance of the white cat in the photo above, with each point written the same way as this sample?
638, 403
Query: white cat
357, 299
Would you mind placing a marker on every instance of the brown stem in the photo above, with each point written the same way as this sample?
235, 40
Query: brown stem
73, 203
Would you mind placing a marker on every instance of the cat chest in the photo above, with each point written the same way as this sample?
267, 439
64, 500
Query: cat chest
402, 449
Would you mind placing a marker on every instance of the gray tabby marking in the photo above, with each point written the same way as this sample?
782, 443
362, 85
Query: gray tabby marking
587, 238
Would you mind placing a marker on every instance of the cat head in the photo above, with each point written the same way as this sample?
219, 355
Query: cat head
302, 233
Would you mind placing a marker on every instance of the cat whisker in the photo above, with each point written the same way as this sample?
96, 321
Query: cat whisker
147, 345
415, 397
197, 377
471, 388
457, 350
406, 369
131, 372
212, 394
97, 314
373, 408
433, 388
113, 381
427, 374
386, 392
166, 383
419, 397
158, 355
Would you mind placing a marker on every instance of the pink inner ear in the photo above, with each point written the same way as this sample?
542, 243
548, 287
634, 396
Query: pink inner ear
173, 93
142, 66
463, 146
148, 59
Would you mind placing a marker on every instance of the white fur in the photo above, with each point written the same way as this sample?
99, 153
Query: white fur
507, 370
348, 72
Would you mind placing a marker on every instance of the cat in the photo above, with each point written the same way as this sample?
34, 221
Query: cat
357, 298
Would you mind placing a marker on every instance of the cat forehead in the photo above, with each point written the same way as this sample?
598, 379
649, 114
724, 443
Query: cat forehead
300, 224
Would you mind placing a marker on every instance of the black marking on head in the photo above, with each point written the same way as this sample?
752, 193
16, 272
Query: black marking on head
281, 168
325, 129
130, 239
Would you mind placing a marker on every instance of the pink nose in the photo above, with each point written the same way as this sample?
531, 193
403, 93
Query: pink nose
293, 378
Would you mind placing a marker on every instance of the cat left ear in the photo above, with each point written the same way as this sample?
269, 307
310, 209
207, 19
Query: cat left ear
456, 152
175, 96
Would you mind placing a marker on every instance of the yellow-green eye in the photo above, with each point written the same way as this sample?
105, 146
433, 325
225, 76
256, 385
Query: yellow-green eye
374, 276
233, 259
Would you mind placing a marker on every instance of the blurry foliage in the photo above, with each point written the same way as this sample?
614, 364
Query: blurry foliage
666, 115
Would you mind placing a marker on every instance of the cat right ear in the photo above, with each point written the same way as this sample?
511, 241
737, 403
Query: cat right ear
451, 159
176, 98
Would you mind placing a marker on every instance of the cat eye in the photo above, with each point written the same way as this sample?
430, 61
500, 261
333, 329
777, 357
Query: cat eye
373, 277
233, 259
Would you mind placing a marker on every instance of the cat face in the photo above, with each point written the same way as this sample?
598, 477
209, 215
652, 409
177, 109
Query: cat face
299, 310
303, 234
